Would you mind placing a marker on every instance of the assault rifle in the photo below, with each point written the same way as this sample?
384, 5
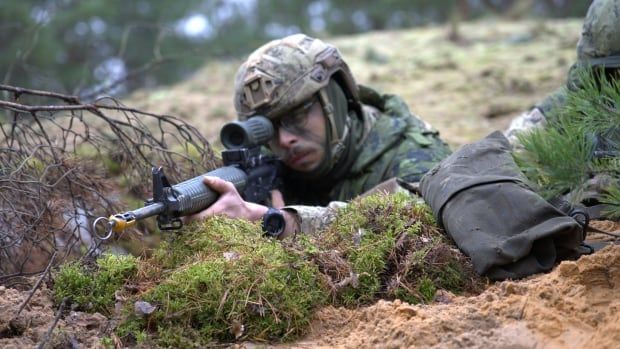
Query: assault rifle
251, 172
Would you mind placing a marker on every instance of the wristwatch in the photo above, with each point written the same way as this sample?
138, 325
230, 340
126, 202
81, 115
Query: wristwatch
273, 222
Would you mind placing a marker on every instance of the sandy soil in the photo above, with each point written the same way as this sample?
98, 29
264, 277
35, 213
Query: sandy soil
575, 306
29, 327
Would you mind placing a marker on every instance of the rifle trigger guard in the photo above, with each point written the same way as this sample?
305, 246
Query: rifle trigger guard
173, 224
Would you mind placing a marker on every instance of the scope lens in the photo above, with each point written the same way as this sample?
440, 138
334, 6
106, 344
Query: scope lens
233, 135
255, 131
236, 138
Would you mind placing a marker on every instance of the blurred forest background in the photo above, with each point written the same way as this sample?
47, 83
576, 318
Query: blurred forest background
113, 47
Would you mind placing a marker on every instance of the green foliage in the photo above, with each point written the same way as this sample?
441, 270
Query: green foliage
107, 342
391, 248
556, 158
578, 142
612, 199
221, 280
223, 274
94, 290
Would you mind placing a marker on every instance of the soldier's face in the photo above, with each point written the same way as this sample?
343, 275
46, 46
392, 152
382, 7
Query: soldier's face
300, 139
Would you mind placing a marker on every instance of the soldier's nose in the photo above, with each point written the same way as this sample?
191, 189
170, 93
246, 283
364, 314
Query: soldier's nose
286, 139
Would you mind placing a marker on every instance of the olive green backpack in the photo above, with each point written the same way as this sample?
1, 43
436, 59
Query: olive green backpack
482, 200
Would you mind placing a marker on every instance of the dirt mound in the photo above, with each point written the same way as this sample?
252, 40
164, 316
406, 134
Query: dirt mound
31, 326
575, 306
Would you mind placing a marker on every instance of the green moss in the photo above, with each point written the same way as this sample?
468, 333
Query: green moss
223, 274
35, 165
221, 280
170, 337
366, 231
390, 247
427, 289
72, 282
88, 151
93, 289
112, 166
107, 342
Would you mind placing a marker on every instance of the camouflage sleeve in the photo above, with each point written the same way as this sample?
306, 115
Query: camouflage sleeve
314, 219
526, 121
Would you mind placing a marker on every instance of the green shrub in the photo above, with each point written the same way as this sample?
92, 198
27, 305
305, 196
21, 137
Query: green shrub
580, 141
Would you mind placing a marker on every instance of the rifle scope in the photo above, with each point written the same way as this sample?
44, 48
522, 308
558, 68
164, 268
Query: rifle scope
255, 131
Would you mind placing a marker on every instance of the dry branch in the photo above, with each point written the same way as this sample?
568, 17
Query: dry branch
64, 162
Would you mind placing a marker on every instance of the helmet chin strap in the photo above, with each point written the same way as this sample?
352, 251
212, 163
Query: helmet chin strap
336, 143
336, 148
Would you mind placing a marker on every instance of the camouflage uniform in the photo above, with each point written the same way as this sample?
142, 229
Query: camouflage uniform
536, 117
599, 49
370, 137
398, 145
598, 46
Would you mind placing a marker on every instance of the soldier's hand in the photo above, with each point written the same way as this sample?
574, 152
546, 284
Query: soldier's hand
230, 203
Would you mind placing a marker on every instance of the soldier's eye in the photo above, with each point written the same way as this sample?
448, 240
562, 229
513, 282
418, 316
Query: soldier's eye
298, 117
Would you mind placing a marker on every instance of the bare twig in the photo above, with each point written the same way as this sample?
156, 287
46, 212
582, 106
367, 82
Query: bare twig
36, 286
59, 312
62, 162
20, 90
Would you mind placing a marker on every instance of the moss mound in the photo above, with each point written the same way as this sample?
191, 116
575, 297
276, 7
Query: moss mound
92, 288
221, 280
389, 246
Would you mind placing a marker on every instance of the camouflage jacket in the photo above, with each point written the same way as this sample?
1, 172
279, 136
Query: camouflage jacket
537, 116
398, 144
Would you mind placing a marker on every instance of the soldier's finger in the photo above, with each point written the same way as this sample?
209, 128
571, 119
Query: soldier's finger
277, 200
219, 185
193, 217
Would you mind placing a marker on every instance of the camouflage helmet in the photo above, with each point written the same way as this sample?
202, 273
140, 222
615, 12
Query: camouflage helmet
599, 44
285, 73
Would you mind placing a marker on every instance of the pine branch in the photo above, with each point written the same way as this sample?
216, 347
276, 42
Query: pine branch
580, 140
